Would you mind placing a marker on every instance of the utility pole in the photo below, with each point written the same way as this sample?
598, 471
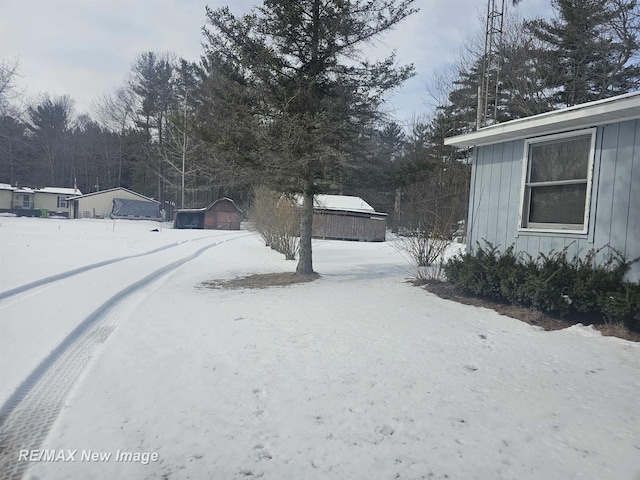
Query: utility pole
184, 145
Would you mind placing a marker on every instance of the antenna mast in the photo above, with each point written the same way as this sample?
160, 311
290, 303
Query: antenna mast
490, 70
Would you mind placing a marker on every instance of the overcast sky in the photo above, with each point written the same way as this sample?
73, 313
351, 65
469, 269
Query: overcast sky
85, 48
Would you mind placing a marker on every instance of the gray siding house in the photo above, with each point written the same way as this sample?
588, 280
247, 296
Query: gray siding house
568, 178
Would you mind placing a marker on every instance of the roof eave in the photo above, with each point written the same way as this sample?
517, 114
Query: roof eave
615, 109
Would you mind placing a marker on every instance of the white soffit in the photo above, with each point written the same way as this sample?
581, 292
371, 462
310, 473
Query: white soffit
608, 110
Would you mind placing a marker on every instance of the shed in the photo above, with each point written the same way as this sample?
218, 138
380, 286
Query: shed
189, 218
345, 217
563, 179
101, 205
223, 214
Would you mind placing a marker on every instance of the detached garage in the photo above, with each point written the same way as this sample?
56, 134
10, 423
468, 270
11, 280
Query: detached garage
223, 214
114, 203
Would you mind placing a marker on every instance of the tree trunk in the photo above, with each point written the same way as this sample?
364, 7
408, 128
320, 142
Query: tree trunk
305, 262
396, 212
305, 256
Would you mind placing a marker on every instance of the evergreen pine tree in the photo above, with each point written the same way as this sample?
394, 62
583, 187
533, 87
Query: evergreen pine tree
300, 99
594, 47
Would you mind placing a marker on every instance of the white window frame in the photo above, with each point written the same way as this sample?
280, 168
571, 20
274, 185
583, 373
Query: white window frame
523, 226
62, 201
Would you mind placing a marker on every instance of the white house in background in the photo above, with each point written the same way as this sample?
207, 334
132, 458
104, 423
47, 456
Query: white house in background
33, 201
54, 199
6, 196
563, 179
22, 199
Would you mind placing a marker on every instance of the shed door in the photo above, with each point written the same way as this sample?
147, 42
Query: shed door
225, 220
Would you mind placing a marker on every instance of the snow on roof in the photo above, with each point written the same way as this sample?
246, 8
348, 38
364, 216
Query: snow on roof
115, 189
53, 190
191, 210
60, 191
339, 202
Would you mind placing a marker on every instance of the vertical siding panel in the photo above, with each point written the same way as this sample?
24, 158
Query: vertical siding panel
515, 190
573, 247
533, 246
522, 244
471, 215
557, 244
622, 186
585, 248
482, 196
494, 194
632, 242
544, 246
606, 185
505, 208
595, 181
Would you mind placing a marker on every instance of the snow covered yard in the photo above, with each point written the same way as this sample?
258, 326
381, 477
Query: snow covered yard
357, 375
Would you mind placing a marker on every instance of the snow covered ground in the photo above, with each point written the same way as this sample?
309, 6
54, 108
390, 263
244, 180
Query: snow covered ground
127, 368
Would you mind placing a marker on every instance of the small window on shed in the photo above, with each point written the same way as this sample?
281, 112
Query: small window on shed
557, 182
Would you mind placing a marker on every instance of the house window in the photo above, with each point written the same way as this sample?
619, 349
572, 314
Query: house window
557, 182
62, 201
26, 201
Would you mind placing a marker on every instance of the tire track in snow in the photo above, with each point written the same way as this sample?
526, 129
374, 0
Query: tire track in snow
60, 276
28, 414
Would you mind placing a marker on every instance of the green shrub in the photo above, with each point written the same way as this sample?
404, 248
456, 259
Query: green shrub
479, 273
552, 282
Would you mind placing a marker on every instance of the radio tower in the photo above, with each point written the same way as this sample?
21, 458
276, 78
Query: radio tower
490, 69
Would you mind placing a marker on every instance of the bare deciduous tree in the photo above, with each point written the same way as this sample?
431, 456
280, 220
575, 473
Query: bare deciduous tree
277, 220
